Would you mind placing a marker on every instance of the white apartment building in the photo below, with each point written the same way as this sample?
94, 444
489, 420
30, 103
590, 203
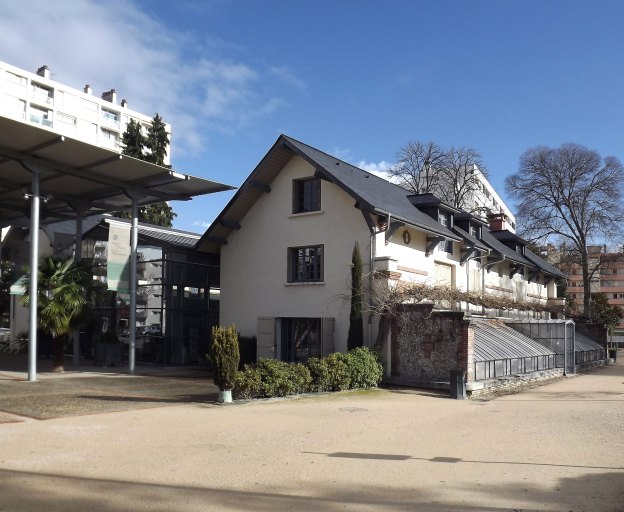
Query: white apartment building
37, 99
486, 199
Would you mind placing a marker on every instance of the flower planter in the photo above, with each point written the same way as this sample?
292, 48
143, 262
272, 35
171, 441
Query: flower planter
225, 396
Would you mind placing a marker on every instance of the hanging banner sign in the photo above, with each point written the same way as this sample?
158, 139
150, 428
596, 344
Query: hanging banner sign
118, 261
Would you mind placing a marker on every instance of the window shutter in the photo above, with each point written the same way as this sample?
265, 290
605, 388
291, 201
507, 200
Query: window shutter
328, 336
266, 338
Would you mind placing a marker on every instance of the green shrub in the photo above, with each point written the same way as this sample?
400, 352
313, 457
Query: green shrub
358, 369
319, 373
275, 376
339, 374
248, 383
365, 370
224, 355
300, 377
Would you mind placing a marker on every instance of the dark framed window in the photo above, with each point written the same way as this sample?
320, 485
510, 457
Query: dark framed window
301, 339
306, 195
473, 230
305, 264
445, 219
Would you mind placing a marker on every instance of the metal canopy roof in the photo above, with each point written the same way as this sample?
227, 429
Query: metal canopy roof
76, 179
495, 340
148, 233
77, 173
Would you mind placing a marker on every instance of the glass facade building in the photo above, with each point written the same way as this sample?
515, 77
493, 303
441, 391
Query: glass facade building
177, 297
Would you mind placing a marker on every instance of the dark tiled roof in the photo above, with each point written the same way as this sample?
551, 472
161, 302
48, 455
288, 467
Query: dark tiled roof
379, 195
372, 193
470, 240
506, 235
542, 264
502, 249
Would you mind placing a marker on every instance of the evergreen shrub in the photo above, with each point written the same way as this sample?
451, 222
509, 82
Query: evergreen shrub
358, 369
224, 355
319, 373
364, 368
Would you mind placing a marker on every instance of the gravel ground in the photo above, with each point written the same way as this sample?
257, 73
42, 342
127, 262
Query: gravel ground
558, 447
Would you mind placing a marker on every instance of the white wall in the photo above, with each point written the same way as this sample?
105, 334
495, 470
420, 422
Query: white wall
254, 261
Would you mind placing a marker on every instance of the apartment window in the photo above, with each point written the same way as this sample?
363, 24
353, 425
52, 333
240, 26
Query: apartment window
473, 230
110, 116
306, 195
305, 264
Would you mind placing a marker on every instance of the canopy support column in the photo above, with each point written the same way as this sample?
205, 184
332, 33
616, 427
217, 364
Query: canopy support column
81, 209
34, 275
134, 237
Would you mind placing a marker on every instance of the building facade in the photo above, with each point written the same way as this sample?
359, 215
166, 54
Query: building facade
37, 99
286, 239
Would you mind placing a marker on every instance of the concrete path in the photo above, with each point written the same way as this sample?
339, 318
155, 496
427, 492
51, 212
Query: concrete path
558, 447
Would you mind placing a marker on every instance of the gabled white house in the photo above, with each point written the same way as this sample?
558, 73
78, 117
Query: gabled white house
285, 242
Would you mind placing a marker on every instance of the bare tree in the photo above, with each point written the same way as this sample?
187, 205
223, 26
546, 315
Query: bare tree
458, 178
571, 193
425, 167
417, 164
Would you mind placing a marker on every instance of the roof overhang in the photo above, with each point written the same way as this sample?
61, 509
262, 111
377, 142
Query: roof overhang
77, 175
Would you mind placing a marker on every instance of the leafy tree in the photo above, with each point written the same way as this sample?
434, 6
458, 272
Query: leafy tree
65, 286
452, 173
570, 193
135, 144
604, 313
356, 329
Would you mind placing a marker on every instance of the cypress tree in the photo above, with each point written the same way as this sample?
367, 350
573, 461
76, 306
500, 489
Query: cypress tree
133, 144
355, 337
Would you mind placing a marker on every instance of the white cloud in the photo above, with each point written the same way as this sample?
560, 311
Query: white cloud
116, 45
378, 168
201, 223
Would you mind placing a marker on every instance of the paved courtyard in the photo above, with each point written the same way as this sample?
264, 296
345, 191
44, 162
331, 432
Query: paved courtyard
556, 447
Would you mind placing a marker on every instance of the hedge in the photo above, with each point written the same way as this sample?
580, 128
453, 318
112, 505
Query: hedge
357, 369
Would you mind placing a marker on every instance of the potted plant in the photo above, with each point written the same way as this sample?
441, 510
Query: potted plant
224, 354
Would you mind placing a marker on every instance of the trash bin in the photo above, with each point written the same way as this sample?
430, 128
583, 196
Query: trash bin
458, 384
613, 354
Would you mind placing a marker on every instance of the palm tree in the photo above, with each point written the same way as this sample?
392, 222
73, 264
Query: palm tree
65, 286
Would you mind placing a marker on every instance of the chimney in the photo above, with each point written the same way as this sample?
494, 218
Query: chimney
498, 221
110, 96
44, 71
87, 89
124, 103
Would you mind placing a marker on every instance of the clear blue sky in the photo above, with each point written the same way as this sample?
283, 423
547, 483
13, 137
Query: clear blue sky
357, 79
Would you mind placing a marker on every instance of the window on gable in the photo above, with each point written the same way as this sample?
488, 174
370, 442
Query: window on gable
473, 230
306, 195
445, 219
305, 264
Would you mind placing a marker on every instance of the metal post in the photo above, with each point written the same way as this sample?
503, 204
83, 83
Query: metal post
34, 275
134, 236
77, 258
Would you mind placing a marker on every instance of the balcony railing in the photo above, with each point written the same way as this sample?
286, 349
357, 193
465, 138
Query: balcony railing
34, 118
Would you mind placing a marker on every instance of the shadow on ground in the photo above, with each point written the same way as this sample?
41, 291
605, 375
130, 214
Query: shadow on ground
76, 396
52, 492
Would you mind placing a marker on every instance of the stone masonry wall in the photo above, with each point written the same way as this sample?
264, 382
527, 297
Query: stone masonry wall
427, 345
